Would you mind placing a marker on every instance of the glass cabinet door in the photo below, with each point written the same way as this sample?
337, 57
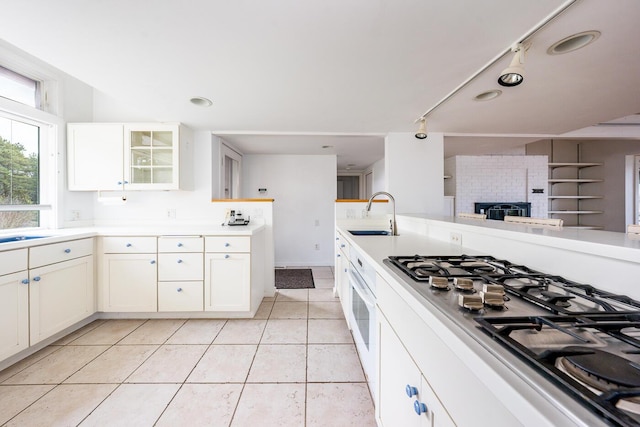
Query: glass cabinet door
152, 161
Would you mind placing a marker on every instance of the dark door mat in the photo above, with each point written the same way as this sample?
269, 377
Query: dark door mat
294, 278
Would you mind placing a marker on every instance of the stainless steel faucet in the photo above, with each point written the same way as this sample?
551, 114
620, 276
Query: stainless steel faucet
394, 225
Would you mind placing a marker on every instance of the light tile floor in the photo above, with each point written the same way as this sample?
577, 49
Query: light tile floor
294, 364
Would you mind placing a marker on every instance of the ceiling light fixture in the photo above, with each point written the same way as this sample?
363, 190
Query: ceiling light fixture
488, 95
528, 36
422, 129
513, 75
201, 101
574, 42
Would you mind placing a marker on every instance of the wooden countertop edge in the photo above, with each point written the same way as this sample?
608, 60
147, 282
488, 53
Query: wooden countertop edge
360, 200
241, 200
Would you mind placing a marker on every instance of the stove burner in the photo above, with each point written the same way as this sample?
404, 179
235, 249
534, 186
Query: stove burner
478, 266
557, 299
600, 369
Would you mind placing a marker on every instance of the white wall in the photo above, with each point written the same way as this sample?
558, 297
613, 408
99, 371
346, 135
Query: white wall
379, 177
414, 172
304, 189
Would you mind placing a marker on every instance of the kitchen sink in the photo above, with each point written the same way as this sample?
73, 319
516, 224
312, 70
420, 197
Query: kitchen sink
369, 232
19, 238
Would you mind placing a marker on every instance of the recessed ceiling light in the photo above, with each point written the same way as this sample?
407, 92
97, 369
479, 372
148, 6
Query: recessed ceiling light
488, 95
351, 165
574, 42
201, 102
327, 146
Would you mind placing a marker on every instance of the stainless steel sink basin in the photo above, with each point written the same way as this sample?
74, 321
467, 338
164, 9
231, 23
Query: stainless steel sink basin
19, 238
369, 232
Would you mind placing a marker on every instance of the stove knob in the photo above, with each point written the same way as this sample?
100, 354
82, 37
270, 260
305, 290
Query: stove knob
411, 390
419, 407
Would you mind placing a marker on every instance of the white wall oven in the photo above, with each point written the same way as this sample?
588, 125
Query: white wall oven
362, 315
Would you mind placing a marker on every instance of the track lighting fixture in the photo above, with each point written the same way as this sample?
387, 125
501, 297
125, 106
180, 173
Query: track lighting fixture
513, 75
422, 129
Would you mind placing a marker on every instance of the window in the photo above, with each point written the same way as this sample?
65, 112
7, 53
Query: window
26, 185
19, 88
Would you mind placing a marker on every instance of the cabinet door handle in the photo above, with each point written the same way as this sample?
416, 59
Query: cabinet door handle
153, 261
25, 281
226, 245
180, 245
119, 182
126, 182
338, 255
419, 407
342, 245
36, 279
411, 390
179, 289
179, 261
129, 245
226, 256
67, 251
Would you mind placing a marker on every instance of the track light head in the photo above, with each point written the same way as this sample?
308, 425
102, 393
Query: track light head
422, 129
513, 75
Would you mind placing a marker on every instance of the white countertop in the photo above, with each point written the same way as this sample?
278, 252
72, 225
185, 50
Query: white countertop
63, 234
598, 242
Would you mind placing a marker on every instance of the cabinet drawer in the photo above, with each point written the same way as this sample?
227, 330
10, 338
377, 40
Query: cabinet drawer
13, 261
129, 245
180, 244
180, 266
58, 252
180, 296
228, 244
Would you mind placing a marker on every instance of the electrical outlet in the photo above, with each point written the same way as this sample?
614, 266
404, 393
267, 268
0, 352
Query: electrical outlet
317, 247
171, 213
75, 215
455, 238
317, 222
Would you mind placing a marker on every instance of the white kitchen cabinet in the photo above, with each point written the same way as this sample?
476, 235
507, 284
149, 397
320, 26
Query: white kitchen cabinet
227, 281
140, 156
95, 156
60, 295
129, 274
343, 287
180, 273
14, 302
405, 396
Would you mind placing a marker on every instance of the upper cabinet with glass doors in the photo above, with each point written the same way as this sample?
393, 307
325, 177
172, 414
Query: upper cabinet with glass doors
138, 157
152, 157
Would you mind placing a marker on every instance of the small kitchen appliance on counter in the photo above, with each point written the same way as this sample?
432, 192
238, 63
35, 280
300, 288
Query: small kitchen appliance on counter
584, 340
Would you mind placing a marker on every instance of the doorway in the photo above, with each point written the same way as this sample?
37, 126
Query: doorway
348, 187
231, 168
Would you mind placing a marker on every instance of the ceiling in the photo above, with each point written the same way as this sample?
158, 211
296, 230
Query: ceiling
292, 76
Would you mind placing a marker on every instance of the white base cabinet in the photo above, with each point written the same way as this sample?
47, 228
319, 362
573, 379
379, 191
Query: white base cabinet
130, 282
227, 282
60, 295
343, 288
14, 313
129, 277
180, 273
405, 397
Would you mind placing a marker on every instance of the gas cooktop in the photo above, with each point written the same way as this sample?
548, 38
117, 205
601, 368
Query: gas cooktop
584, 340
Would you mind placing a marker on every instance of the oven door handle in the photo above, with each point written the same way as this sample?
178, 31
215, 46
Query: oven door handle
361, 288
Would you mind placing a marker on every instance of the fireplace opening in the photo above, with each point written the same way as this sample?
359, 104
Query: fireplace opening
498, 210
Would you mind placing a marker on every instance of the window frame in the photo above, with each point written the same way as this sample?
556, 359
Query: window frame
50, 124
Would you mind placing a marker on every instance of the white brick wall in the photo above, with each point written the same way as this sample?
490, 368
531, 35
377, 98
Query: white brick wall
498, 179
